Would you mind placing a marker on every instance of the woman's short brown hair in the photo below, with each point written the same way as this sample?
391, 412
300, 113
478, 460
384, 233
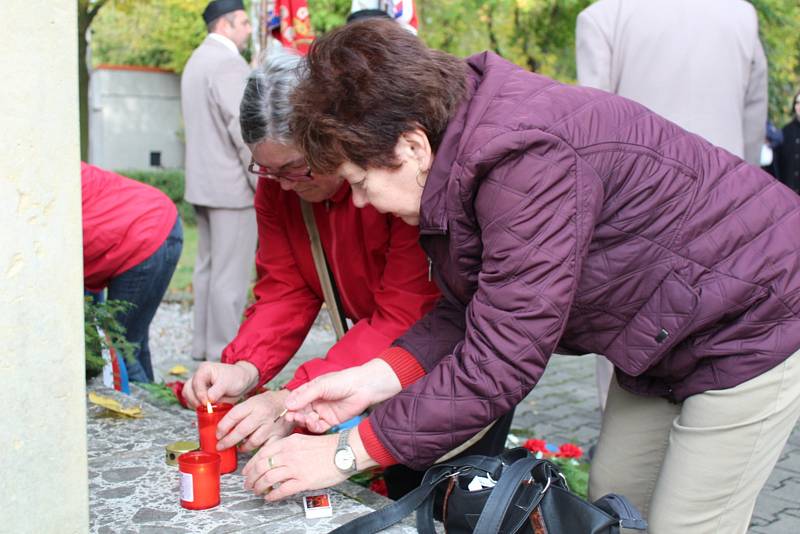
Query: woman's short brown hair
368, 83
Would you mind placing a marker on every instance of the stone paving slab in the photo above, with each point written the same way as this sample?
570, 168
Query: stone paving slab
133, 490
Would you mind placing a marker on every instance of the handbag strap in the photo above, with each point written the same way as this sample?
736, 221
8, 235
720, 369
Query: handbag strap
620, 507
498, 509
389, 515
326, 280
421, 498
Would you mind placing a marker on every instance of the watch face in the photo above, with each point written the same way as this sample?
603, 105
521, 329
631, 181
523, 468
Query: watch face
344, 459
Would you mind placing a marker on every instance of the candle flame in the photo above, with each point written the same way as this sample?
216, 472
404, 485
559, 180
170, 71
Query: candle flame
208, 407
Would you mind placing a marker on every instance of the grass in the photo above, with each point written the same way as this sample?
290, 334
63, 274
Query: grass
182, 279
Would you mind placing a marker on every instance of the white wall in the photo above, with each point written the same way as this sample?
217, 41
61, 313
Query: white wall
43, 466
132, 113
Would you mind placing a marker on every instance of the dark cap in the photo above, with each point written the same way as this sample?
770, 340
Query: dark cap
368, 13
217, 8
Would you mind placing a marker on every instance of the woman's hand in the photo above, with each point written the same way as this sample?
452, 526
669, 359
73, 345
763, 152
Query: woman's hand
219, 382
333, 398
299, 463
254, 421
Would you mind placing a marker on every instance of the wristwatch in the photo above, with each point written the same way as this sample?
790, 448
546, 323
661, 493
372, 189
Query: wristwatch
345, 458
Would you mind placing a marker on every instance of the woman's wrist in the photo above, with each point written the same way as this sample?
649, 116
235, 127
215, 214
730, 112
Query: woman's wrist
251, 375
363, 459
382, 380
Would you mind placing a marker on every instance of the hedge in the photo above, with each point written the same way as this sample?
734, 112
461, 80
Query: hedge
170, 181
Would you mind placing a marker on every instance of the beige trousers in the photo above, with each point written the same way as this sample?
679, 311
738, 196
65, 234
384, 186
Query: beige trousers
226, 247
697, 467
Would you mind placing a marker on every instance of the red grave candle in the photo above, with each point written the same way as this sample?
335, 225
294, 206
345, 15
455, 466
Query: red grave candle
207, 426
199, 472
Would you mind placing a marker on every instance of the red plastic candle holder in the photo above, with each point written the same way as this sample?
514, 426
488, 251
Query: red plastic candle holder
199, 471
207, 426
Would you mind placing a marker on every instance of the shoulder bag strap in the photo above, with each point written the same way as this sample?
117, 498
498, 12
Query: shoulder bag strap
391, 514
332, 300
498, 509
621, 508
418, 499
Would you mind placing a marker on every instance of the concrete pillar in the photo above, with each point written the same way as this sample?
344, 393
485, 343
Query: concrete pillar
43, 465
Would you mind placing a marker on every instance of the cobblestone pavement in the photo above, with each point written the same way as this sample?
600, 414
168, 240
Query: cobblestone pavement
561, 408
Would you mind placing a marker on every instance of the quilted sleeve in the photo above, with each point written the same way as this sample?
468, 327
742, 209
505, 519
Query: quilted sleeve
535, 216
435, 335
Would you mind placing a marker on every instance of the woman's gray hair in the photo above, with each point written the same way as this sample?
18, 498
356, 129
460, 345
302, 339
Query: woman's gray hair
266, 109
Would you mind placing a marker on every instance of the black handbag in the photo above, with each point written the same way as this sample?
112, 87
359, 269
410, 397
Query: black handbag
530, 497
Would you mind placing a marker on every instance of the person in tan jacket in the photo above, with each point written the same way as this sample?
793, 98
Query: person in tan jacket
698, 63
218, 183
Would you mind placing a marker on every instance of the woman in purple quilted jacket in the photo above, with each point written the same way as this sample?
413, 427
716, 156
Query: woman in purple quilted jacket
553, 216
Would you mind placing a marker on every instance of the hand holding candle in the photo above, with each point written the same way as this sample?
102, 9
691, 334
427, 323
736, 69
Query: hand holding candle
254, 422
219, 382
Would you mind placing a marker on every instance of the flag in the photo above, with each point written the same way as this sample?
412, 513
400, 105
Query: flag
290, 23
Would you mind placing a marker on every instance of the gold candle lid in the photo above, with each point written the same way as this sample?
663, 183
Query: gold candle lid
174, 450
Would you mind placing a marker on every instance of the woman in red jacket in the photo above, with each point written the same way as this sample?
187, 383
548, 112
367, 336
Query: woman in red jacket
381, 273
132, 240
379, 268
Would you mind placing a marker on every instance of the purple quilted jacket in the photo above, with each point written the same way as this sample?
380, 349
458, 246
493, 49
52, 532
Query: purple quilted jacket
557, 215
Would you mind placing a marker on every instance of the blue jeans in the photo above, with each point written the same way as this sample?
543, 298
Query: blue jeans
143, 286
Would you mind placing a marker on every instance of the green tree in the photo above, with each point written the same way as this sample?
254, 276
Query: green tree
780, 33
328, 14
536, 34
540, 35
87, 12
154, 34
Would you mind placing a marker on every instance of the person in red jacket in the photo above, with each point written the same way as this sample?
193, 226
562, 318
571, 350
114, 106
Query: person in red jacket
132, 240
380, 271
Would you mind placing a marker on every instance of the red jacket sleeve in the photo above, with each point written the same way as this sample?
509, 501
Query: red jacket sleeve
285, 307
405, 294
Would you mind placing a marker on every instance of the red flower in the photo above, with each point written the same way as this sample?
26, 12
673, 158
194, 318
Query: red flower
569, 450
378, 485
536, 445
177, 389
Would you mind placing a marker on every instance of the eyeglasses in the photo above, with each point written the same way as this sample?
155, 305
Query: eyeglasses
266, 172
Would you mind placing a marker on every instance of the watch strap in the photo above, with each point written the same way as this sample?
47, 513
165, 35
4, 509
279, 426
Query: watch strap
344, 437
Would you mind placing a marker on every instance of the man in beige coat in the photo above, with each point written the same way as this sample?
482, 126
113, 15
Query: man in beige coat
218, 183
699, 63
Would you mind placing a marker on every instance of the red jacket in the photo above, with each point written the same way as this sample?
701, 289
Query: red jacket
380, 271
124, 223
